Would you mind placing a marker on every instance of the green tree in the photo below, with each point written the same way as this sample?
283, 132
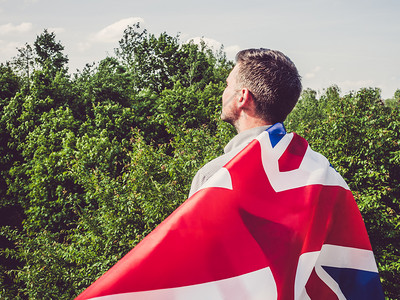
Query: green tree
157, 62
48, 51
397, 95
395, 101
97, 160
9, 83
24, 63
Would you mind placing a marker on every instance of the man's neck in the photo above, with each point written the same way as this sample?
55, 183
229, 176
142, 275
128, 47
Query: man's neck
249, 123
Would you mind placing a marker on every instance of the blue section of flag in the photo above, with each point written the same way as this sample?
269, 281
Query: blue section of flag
276, 133
357, 284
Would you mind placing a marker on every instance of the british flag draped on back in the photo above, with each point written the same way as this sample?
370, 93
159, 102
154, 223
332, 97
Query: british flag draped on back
277, 222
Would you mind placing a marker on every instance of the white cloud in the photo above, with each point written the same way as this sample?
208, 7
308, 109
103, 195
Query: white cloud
113, 32
209, 42
309, 75
215, 45
83, 46
231, 51
313, 73
9, 49
356, 84
10, 28
56, 30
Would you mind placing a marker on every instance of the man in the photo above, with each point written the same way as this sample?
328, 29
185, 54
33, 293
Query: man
261, 90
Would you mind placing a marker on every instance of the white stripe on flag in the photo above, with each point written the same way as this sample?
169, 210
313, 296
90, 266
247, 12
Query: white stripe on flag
331, 256
221, 179
314, 169
252, 286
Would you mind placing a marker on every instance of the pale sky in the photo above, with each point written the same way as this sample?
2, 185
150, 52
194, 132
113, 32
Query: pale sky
350, 43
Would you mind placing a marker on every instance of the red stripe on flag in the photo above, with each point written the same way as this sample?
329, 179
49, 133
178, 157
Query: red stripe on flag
294, 154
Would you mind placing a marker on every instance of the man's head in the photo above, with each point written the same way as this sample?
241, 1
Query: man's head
272, 80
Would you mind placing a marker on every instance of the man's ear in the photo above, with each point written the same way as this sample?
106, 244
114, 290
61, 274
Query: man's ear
246, 98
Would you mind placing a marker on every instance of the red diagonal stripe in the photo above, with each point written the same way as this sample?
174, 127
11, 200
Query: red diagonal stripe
293, 156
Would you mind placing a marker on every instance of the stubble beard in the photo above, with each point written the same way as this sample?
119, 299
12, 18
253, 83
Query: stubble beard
230, 117
230, 113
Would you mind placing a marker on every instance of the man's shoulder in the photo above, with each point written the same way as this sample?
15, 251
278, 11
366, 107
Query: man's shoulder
235, 145
208, 170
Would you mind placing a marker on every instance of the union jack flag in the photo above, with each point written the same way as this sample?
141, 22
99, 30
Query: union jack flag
277, 222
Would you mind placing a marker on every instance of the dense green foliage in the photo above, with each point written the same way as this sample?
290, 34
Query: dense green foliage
91, 162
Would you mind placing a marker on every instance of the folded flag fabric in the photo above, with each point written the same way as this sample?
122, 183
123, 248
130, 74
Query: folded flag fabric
277, 222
